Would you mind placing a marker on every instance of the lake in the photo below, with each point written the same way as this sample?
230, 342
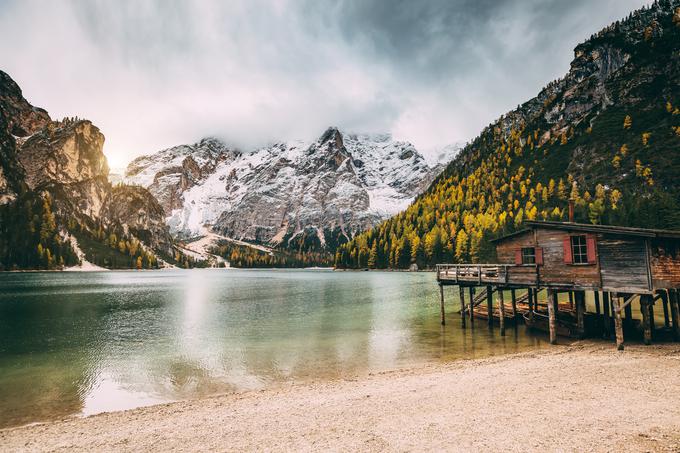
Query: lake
81, 343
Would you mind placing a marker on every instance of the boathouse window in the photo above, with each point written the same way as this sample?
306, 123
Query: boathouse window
528, 255
579, 249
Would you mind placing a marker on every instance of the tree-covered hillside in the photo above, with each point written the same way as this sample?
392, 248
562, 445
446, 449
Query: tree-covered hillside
606, 135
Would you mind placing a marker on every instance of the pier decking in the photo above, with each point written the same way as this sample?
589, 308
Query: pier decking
620, 266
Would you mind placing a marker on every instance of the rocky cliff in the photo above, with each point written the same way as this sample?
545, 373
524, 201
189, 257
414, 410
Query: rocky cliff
296, 194
62, 162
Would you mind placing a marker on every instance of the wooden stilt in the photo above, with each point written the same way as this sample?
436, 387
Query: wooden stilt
530, 299
501, 310
618, 323
535, 299
644, 308
472, 306
580, 301
652, 324
461, 292
596, 296
606, 308
571, 300
666, 313
673, 298
552, 315
441, 304
513, 297
489, 304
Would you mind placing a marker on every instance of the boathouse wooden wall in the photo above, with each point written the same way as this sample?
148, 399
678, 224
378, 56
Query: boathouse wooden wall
554, 271
622, 262
665, 262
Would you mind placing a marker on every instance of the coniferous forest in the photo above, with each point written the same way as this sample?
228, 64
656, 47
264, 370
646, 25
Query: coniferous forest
609, 141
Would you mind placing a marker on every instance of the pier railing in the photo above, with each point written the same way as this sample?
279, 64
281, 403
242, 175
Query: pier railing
488, 273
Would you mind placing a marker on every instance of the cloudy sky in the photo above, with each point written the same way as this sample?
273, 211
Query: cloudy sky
153, 74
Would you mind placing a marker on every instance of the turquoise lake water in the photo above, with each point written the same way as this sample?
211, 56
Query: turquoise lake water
81, 343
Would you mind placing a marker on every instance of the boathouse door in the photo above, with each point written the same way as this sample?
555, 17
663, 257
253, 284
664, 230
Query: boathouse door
623, 263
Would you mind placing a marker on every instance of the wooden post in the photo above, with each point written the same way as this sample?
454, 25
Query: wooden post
501, 310
535, 299
513, 297
461, 291
596, 295
644, 308
580, 300
441, 305
530, 300
618, 323
472, 306
489, 304
673, 298
652, 324
666, 313
606, 308
571, 300
552, 315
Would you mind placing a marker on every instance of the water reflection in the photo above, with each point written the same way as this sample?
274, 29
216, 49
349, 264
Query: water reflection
84, 343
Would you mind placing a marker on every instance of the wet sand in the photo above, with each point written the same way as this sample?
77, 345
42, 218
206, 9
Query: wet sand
582, 397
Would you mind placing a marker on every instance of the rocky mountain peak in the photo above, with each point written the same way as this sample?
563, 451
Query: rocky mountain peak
23, 119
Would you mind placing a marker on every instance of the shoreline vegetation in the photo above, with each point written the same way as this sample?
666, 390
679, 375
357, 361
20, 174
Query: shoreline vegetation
515, 402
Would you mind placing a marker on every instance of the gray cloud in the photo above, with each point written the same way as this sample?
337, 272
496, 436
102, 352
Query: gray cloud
153, 74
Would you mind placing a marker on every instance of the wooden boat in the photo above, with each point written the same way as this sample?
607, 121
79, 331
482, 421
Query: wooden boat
539, 322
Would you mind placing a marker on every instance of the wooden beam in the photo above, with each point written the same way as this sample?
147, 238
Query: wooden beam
618, 323
461, 293
552, 315
501, 310
472, 311
571, 300
673, 297
580, 301
596, 295
489, 304
441, 304
644, 308
513, 297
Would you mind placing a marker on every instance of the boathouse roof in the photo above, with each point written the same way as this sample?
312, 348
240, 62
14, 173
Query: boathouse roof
589, 228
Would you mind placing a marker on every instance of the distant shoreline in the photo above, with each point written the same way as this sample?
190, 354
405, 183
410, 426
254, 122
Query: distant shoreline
79, 271
565, 398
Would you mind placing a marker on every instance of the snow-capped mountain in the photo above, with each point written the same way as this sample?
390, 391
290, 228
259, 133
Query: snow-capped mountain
304, 194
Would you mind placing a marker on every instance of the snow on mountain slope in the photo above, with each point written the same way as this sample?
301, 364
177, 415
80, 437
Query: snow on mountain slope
307, 194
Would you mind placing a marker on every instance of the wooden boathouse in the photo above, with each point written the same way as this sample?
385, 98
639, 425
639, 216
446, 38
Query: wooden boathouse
618, 265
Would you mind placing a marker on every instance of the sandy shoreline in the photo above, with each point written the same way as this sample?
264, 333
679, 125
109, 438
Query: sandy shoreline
584, 397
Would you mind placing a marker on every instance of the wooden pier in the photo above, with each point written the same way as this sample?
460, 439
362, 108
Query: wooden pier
549, 271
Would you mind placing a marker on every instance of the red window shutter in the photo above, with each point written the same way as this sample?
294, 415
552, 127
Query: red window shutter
518, 256
566, 245
591, 248
539, 256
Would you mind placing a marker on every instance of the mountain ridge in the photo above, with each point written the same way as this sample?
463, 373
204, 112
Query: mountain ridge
309, 195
